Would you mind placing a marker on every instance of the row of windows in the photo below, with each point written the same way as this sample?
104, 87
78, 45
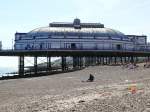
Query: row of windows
77, 37
71, 46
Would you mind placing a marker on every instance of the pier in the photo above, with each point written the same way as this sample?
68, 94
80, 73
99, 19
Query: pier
87, 44
80, 59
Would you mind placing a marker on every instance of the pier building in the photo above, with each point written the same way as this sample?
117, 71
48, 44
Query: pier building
78, 36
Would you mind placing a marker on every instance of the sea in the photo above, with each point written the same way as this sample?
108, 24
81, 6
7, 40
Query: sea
9, 65
5, 71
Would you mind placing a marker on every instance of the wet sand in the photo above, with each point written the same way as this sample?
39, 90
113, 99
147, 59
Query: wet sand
68, 92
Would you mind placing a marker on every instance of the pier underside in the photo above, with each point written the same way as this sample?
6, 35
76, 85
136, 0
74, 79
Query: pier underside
80, 59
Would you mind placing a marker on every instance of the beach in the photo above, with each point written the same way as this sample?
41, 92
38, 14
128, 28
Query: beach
115, 89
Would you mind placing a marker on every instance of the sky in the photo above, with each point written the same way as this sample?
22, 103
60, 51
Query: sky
127, 16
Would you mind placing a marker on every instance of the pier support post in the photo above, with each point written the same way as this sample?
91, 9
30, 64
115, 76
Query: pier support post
103, 61
106, 60
74, 62
94, 60
89, 58
100, 61
63, 63
132, 59
78, 62
121, 60
109, 60
115, 60
128, 59
125, 60
86, 61
35, 65
97, 60
81, 62
148, 58
21, 65
49, 68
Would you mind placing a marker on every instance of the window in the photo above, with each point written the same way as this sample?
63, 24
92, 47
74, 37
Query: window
73, 45
34, 37
119, 47
49, 36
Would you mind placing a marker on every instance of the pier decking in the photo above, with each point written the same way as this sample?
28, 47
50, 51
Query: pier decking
62, 52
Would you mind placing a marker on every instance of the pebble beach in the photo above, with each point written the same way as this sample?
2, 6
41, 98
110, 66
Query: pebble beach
111, 91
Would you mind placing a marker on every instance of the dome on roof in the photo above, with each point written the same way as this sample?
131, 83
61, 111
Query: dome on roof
76, 21
69, 31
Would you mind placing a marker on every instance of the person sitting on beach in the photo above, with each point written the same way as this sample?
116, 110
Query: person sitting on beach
91, 78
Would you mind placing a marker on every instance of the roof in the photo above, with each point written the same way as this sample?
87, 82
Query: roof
85, 32
76, 29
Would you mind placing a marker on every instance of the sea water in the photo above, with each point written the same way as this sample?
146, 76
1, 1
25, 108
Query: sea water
5, 71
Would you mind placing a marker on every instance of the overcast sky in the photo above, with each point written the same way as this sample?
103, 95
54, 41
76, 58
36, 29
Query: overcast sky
127, 16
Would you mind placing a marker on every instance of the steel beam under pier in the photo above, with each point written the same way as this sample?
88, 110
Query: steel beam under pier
21, 65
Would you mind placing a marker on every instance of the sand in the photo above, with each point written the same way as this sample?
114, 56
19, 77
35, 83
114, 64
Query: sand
68, 92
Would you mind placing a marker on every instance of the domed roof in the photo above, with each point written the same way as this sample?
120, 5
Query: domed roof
76, 29
83, 32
